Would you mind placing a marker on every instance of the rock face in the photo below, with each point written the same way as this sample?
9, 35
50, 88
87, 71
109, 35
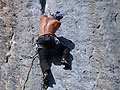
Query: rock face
92, 25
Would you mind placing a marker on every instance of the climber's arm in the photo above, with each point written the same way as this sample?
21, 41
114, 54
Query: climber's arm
57, 25
42, 16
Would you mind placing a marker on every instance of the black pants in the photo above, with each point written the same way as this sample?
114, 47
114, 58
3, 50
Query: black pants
48, 42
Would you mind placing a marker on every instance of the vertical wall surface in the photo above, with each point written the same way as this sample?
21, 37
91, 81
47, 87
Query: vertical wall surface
92, 25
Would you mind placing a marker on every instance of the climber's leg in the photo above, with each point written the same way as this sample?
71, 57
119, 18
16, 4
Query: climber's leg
43, 60
65, 54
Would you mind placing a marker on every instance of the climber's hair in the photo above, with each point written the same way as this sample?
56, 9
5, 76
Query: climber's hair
58, 15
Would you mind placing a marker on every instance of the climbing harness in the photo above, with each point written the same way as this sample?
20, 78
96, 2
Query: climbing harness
33, 58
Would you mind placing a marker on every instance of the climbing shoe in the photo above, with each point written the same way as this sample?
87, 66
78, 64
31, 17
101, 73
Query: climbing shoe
65, 62
46, 80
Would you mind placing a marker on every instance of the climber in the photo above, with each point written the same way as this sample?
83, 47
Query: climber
48, 40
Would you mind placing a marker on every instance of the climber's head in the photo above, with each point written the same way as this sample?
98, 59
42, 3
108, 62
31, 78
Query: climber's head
58, 15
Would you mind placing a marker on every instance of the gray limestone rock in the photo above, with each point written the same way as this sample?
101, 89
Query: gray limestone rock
93, 26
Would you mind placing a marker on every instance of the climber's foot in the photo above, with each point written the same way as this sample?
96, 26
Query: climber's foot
45, 86
46, 80
67, 67
65, 62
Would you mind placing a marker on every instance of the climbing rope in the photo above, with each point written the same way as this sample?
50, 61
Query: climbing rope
33, 58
